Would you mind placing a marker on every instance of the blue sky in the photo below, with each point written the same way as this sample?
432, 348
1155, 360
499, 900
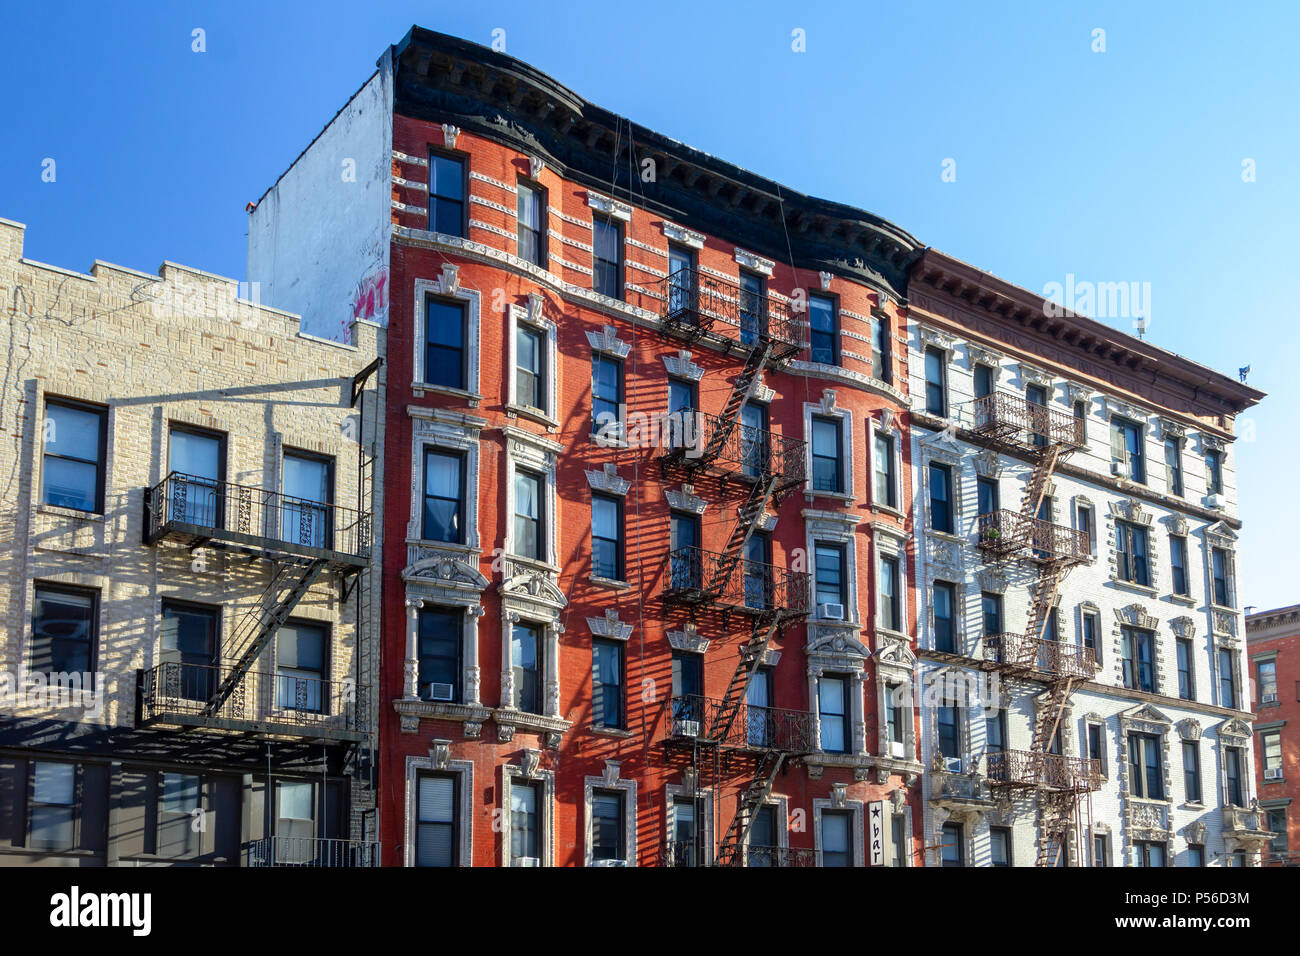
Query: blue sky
1124, 165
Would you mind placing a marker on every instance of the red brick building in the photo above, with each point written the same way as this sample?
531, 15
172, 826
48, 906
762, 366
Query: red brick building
1273, 646
667, 640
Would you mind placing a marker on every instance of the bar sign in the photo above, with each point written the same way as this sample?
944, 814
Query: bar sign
876, 832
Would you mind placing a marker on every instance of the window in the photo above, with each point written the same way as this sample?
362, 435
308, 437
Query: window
306, 515
531, 219
763, 837
606, 395
607, 257
828, 472
941, 498
686, 561
447, 194
1080, 412
525, 822
954, 849
688, 676
898, 839
439, 636
686, 846
1195, 855
894, 695
1135, 651
530, 366
881, 358
1090, 628
753, 299
1227, 679
945, 631
1131, 553
991, 610
949, 736
180, 798
681, 281
1186, 677
885, 493
1146, 776
936, 402
830, 574
1097, 745
1221, 563
1088, 526
606, 537
1234, 784
1126, 448
1191, 771
1000, 846
1100, 850
607, 831
1266, 673
833, 710
73, 471
444, 343
995, 732
1277, 823
189, 643
681, 396
53, 810
200, 457
1214, 471
64, 631
607, 684
890, 612
529, 539
1149, 853
837, 843
760, 725
300, 667
1238, 858
755, 449
987, 495
1036, 397
983, 381
444, 497
825, 333
1270, 745
526, 666
1178, 564
758, 575
295, 820
1174, 466
437, 821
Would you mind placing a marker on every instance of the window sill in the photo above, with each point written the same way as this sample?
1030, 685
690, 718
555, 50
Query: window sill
946, 536
1135, 588
521, 719
441, 710
1223, 608
535, 564
843, 496
1184, 599
612, 732
533, 415
889, 510
610, 583
419, 388
466, 549
895, 635
75, 513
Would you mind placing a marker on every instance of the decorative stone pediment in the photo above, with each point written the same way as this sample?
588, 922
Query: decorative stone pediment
533, 585
688, 640
991, 580
1221, 535
1034, 376
835, 641
826, 278
896, 654
687, 237
1195, 832
530, 761
988, 464
754, 263
610, 626
610, 775
942, 446
1177, 524
1171, 429
1183, 626
607, 341
449, 282
766, 522
987, 357
760, 391
1124, 410
888, 423
610, 207
1130, 509
608, 480
1145, 718
839, 796
827, 404
448, 569
686, 500
944, 555
1189, 729
449, 135
1225, 626
1234, 727
1137, 616
929, 336
534, 310
681, 366
1078, 393
1212, 442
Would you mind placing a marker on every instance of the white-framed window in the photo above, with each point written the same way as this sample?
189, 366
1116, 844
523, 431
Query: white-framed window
528, 799
446, 358
769, 834
532, 527
883, 446
838, 829
609, 819
832, 545
532, 375
439, 828
444, 477
689, 822
830, 448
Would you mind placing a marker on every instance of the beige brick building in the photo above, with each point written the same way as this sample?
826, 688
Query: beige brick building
185, 488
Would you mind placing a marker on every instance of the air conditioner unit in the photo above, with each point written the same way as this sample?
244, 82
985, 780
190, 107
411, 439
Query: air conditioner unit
830, 612
1272, 773
1216, 501
896, 748
686, 728
609, 863
442, 692
526, 861
1117, 469
952, 764
1268, 699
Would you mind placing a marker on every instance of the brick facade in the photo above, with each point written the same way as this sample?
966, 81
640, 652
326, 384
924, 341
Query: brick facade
1273, 644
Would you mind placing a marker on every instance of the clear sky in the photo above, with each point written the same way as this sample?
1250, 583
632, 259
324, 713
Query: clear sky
1117, 166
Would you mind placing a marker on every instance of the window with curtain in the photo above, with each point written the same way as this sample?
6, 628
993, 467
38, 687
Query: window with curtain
444, 496
437, 813
529, 537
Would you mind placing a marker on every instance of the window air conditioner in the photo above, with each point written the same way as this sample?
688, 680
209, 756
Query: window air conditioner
1272, 773
952, 764
686, 728
526, 861
1117, 469
896, 748
609, 863
1269, 699
830, 612
441, 692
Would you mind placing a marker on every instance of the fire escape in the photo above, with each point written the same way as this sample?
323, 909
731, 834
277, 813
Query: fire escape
728, 736
1012, 424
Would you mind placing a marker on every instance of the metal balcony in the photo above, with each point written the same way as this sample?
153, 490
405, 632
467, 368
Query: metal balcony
1012, 421
1018, 653
195, 511
695, 719
699, 306
1006, 534
685, 853
1031, 770
700, 577
178, 695
310, 851
732, 450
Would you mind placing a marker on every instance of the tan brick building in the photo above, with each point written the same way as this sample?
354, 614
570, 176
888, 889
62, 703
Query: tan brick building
185, 490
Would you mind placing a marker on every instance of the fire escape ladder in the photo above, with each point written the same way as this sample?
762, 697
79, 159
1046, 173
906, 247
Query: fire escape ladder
751, 652
747, 521
755, 361
747, 804
260, 623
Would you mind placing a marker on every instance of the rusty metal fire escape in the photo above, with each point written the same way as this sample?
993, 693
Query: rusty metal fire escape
1012, 423
752, 742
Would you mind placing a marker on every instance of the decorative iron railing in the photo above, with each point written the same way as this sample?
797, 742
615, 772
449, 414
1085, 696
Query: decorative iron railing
177, 694
222, 510
1014, 420
1032, 769
1005, 532
779, 856
697, 303
745, 450
751, 728
697, 576
310, 851
685, 853
1041, 654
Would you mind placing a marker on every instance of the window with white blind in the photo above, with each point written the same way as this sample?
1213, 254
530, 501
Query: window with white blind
437, 816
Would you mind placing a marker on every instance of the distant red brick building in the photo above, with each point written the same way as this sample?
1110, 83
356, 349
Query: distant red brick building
1273, 645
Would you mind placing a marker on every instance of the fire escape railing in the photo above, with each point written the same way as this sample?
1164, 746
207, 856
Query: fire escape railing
739, 450
696, 576
698, 305
1005, 533
1013, 420
1030, 770
1056, 658
708, 720
310, 851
